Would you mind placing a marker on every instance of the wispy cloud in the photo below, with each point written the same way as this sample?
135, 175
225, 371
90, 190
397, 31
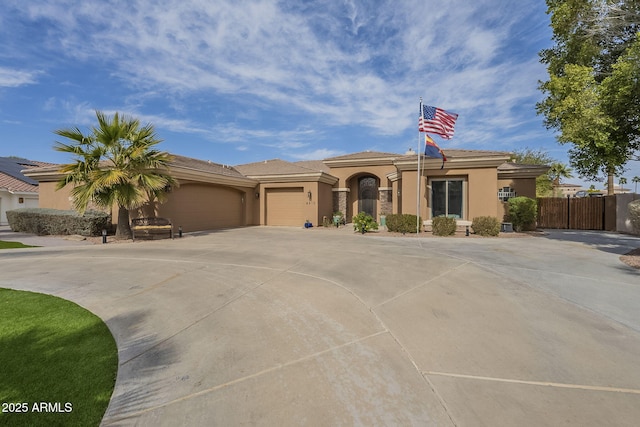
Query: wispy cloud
15, 78
339, 63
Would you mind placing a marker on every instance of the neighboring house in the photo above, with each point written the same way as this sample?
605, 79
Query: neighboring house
276, 192
16, 189
564, 190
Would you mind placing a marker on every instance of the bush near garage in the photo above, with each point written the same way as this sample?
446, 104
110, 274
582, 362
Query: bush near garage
443, 226
43, 222
485, 226
402, 223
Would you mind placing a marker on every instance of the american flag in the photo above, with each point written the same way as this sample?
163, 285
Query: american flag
436, 120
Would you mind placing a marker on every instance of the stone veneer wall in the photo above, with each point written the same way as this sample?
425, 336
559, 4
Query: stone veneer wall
386, 203
340, 201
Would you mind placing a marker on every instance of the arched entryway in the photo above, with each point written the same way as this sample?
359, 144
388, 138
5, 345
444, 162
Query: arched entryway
368, 195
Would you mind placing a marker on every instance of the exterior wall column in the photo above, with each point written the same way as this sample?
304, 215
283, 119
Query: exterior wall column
386, 200
340, 199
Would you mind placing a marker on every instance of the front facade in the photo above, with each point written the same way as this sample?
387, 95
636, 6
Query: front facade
279, 193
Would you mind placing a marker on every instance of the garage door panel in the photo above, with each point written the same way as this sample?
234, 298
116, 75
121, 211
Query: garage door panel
204, 207
285, 206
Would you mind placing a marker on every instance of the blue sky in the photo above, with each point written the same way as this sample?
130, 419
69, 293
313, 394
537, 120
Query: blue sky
242, 81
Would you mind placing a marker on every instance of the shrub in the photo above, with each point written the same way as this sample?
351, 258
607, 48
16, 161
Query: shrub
486, 225
402, 223
52, 221
443, 226
522, 213
364, 222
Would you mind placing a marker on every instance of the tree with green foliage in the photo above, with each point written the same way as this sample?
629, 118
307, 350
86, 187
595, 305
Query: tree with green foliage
115, 163
622, 181
593, 89
546, 183
557, 172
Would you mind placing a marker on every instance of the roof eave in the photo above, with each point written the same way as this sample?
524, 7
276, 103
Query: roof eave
299, 177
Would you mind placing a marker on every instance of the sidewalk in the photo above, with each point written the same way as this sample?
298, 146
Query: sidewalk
33, 240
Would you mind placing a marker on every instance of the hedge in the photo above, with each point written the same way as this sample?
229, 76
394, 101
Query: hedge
443, 226
402, 223
42, 222
486, 226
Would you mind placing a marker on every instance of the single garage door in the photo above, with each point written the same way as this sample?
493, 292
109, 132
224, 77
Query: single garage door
197, 207
285, 206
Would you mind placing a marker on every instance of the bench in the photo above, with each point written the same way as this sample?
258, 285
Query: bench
461, 224
151, 227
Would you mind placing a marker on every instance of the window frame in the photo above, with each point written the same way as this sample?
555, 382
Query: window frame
465, 196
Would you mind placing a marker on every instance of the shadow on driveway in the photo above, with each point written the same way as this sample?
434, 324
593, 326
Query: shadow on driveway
602, 240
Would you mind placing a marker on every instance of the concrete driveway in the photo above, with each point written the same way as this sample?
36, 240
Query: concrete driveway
280, 326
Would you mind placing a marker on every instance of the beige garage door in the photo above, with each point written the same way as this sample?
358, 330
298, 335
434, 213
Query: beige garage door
198, 207
285, 206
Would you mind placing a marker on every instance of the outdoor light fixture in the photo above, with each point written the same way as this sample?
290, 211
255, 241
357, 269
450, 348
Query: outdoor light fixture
257, 195
309, 195
104, 236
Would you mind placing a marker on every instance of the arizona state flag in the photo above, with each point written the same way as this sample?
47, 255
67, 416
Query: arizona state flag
431, 149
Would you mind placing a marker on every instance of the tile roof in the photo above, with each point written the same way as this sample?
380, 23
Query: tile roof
317, 165
456, 153
11, 177
510, 166
205, 166
15, 185
276, 167
363, 155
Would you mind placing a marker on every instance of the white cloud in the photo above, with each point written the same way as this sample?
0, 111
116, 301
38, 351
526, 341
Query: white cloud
14, 78
340, 63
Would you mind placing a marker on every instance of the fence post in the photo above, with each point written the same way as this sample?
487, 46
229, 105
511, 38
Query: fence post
568, 212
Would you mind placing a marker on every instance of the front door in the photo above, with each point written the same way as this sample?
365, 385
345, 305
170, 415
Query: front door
367, 195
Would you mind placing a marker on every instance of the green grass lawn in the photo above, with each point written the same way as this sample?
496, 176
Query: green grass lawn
13, 245
58, 362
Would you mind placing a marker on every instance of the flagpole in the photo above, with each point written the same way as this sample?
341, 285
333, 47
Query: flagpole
418, 173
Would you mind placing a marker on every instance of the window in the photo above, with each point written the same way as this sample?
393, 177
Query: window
505, 193
447, 198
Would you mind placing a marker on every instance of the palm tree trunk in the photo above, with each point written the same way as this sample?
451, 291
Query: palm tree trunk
123, 230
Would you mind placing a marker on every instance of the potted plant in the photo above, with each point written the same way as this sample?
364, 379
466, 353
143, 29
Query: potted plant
338, 218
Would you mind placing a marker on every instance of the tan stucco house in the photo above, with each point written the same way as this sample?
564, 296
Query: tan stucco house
276, 192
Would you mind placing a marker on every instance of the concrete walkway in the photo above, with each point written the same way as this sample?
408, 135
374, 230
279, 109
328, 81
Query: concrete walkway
282, 326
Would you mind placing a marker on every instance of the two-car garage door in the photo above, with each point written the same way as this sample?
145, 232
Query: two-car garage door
285, 206
197, 207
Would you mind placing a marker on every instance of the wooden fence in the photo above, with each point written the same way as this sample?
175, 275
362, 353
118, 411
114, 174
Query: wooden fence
578, 213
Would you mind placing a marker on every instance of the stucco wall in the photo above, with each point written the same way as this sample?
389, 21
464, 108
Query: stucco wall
525, 187
52, 199
622, 212
480, 189
345, 174
325, 202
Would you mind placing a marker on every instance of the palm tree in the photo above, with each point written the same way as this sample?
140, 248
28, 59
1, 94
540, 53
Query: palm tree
635, 180
557, 172
116, 163
622, 182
